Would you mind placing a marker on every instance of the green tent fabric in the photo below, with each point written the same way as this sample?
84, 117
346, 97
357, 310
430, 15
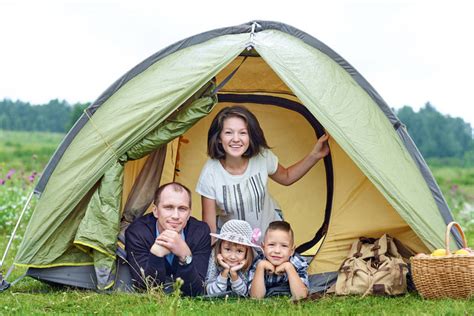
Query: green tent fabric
99, 228
97, 232
98, 224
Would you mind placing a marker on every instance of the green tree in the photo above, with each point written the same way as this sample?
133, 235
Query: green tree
76, 112
437, 135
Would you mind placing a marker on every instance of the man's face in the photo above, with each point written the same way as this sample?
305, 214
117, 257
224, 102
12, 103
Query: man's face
173, 211
278, 247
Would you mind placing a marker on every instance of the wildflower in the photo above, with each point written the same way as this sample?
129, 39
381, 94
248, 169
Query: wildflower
10, 173
31, 178
454, 188
34, 157
2, 181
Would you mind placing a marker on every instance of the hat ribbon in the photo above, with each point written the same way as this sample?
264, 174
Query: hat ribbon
256, 235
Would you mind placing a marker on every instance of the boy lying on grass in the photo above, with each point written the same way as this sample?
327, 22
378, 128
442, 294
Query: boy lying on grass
279, 266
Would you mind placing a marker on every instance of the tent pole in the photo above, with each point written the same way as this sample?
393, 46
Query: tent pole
16, 227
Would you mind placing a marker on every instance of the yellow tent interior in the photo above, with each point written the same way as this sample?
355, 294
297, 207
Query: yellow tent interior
358, 208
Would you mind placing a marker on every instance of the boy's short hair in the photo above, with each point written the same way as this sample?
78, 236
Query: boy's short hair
282, 226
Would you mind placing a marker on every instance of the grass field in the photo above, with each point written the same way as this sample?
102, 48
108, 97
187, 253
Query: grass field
28, 151
23, 155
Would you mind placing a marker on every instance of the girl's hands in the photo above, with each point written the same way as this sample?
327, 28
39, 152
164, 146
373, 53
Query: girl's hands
222, 263
233, 270
239, 266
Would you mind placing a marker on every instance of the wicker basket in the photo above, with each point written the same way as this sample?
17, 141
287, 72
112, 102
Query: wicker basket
448, 276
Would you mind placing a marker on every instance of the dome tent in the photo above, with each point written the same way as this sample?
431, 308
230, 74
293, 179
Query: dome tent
150, 127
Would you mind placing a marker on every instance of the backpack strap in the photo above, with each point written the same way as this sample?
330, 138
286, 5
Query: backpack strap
358, 254
375, 250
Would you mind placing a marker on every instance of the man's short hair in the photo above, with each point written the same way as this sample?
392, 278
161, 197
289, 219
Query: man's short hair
176, 186
282, 226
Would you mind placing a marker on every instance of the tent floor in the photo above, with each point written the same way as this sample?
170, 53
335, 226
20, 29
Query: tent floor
81, 276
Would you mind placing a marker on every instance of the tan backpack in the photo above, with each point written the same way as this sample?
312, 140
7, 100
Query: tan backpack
373, 266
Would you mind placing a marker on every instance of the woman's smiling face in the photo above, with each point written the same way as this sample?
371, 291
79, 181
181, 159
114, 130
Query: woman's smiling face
234, 137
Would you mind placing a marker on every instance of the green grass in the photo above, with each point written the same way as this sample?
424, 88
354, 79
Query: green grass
33, 297
457, 185
28, 152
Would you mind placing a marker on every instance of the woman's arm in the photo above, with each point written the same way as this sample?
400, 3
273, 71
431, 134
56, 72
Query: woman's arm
288, 176
209, 213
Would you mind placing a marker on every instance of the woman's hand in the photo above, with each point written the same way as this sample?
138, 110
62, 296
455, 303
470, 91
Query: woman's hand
288, 176
321, 149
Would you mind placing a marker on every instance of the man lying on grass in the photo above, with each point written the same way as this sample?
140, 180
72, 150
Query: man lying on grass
279, 267
169, 244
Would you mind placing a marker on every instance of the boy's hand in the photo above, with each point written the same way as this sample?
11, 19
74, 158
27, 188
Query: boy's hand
284, 268
266, 266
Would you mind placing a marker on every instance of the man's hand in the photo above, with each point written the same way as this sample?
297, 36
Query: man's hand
159, 250
172, 241
284, 268
266, 266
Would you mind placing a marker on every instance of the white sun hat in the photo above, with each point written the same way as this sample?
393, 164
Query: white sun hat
239, 232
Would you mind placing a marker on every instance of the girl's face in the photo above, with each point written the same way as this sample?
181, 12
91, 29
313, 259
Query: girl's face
233, 253
234, 137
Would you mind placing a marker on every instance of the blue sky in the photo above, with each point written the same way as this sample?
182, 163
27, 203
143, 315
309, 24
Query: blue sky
410, 51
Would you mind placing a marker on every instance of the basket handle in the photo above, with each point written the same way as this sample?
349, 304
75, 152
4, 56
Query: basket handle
448, 231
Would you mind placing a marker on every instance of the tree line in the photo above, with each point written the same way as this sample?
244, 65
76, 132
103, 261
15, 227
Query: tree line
440, 137
54, 116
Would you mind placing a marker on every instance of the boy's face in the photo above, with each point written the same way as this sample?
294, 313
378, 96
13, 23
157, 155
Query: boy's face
277, 247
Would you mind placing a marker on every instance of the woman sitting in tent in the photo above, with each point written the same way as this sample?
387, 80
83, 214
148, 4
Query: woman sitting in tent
234, 179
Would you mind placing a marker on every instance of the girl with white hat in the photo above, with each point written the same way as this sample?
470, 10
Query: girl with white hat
231, 258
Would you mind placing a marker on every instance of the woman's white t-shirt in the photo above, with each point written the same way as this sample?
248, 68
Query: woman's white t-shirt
244, 196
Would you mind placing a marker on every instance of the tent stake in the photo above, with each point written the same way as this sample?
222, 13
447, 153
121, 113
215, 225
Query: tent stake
14, 230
